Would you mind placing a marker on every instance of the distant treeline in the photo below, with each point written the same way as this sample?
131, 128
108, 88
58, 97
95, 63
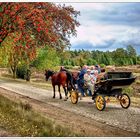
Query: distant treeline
51, 58
118, 57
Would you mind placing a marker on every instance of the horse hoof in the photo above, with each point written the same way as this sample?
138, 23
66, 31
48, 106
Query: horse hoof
60, 97
53, 97
65, 98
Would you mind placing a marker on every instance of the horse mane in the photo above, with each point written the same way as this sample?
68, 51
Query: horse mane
48, 70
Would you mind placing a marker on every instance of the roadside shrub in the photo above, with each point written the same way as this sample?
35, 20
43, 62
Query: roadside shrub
137, 81
129, 90
102, 65
21, 72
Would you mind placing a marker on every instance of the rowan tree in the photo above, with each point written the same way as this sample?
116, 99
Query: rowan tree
46, 23
33, 25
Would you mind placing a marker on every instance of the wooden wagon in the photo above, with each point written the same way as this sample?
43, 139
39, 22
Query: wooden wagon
109, 87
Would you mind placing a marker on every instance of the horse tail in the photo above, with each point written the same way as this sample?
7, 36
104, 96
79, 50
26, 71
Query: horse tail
70, 79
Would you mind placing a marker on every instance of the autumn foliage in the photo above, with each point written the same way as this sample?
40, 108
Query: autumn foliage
36, 24
46, 23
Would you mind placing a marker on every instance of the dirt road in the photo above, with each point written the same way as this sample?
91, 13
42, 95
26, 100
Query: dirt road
82, 117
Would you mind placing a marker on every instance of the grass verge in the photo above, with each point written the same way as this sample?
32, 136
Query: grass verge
20, 119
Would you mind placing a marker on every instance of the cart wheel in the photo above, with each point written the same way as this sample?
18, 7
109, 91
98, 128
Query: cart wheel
74, 97
100, 102
125, 101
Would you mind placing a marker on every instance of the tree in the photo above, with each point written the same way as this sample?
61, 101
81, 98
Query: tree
46, 23
119, 56
65, 57
17, 52
132, 54
91, 61
138, 59
131, 51
47, 58
35, 25
105, 59
12, 55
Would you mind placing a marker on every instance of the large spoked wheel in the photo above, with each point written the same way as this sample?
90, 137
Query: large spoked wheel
100, 102
125, 101
74, 97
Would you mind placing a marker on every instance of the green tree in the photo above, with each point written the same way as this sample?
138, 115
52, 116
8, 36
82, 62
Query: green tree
12, 56
119, 55
47, 59
131, 51
65, 57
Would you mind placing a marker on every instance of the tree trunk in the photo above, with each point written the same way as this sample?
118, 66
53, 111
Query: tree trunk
14, 74
14, 70
28, 72
28, 75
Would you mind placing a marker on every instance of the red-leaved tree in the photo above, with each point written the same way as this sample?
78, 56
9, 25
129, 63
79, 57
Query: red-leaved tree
46, 23
33, 25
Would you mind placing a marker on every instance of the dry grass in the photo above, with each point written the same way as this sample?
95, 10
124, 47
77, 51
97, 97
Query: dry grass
20, 119
137, 81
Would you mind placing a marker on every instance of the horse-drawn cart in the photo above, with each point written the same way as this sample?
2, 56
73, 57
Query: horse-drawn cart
110, 87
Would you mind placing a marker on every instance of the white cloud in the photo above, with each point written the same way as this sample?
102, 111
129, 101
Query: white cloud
97, 34
108, 25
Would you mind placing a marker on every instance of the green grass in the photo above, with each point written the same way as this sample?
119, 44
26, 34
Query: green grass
137, 81
20, 119
129, 90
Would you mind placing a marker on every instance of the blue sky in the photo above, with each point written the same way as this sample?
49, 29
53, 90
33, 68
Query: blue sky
107, 26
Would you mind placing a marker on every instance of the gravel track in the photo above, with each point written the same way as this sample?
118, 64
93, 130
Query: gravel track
113, 116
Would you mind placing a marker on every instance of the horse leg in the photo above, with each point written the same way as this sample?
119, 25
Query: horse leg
68, 89
65, 93
59, 92
53, 91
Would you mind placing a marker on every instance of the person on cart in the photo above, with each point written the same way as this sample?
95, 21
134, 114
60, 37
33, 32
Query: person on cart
80, 81
92, 70
89, 82
94, 74
98, 68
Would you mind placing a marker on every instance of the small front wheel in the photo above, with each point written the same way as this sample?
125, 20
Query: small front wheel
74, 97
100, 102
125, 101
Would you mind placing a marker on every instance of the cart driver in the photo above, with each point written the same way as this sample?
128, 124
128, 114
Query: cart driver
80, 81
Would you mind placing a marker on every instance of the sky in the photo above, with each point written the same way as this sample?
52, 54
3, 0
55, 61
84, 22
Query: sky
107, 26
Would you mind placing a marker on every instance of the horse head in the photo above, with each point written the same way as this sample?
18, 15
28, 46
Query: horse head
48, 73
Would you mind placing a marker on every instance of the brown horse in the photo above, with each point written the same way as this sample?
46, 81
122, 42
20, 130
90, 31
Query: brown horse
58, 78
